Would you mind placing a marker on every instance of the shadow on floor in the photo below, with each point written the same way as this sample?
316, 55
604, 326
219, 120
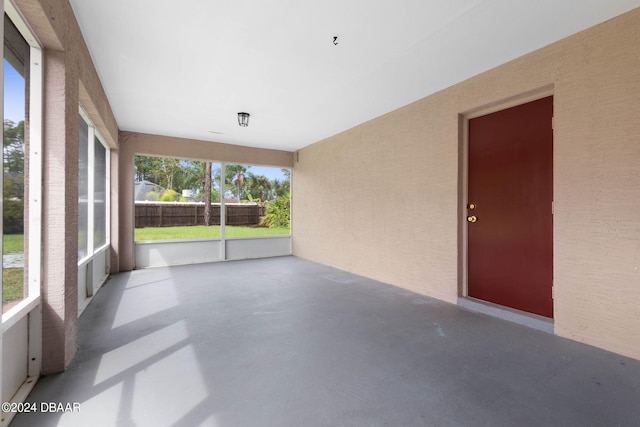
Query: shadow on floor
288, 342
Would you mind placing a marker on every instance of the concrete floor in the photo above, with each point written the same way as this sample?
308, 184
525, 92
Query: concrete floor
287, 342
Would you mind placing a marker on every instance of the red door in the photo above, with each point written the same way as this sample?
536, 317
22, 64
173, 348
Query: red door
510, 238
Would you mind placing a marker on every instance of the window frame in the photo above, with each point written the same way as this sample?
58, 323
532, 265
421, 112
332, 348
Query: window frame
93, 136
34, 178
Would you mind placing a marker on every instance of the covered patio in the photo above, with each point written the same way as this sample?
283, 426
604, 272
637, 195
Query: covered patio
411, 205
289, 342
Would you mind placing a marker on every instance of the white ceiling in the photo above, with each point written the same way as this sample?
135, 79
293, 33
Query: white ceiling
186, 68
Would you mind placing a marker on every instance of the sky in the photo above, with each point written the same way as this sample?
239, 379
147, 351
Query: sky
13, 94
269, 172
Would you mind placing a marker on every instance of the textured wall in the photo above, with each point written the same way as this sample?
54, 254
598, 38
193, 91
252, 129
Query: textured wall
59, 216
132, 143
70, 80
597, 190
353, 193
380, 200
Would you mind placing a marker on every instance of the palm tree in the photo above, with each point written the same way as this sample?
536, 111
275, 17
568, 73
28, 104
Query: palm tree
207, 194
235, 175
259, 186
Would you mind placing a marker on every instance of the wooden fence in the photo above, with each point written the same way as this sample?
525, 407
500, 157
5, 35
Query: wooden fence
167, 214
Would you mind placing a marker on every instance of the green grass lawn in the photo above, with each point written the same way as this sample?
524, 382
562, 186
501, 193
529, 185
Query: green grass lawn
12, 278
12, 243
12, 284
203, 232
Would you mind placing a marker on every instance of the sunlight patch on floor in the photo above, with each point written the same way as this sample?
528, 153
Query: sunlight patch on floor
134, 308
139, 354
180, 391
106, 403
141, 381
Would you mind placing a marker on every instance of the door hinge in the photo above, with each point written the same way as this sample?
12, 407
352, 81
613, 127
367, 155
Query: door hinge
552, 208
553, 123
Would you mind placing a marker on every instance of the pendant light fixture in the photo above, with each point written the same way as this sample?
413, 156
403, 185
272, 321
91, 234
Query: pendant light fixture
243, 119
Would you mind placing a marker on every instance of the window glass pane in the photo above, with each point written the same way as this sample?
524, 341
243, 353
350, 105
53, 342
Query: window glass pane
99, 195
170, 199
83, 190
257, 200
15, 138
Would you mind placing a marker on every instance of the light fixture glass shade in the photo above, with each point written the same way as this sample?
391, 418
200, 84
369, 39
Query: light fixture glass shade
243, 119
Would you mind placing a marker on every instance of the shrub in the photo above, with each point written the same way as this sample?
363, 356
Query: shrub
152, 196
170, 196
13, 217
278, 213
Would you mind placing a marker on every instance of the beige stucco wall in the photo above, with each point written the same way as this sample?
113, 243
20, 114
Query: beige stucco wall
132, 143
382, 199
70, 80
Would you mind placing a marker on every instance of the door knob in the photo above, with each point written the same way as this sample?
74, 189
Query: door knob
472, 218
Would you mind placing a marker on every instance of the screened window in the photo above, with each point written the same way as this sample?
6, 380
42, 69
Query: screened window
259, 200
99, 195
171, 198
171, 202
83, 191
15, 135
93, 191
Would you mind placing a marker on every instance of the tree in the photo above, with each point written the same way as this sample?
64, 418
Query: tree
207, 194
166, 172
13, 169
147, 168
13, 147
258, 187
235, 177
191, 176
170, 168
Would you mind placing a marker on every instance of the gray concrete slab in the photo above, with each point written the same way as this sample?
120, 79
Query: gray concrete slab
287, 342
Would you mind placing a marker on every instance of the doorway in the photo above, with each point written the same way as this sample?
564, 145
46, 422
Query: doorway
509, 207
